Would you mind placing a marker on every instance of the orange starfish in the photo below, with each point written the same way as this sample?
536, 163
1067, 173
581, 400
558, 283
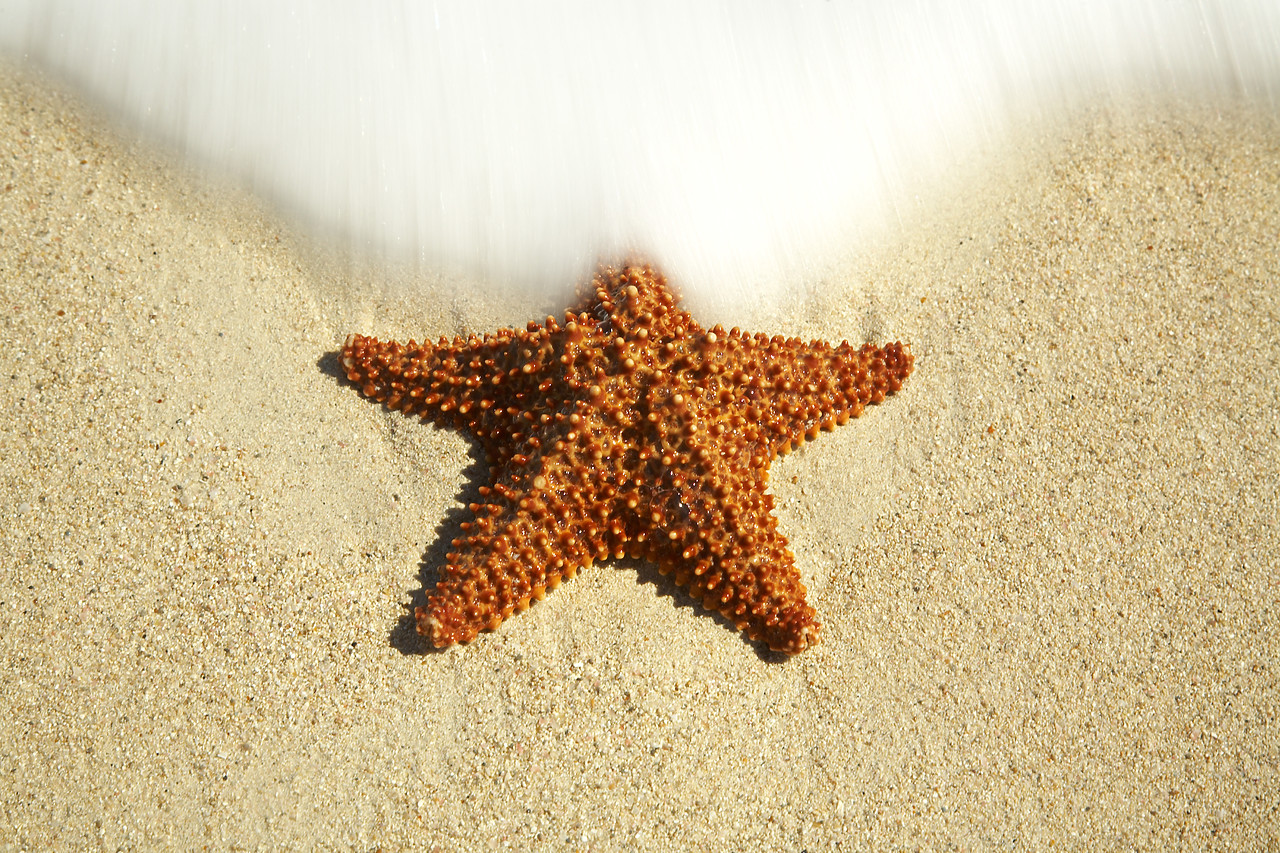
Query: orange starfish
628, 430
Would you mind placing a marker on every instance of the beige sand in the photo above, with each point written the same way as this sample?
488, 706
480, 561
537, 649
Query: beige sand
1047, 571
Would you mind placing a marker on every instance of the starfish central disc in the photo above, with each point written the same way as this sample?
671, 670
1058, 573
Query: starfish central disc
628, 429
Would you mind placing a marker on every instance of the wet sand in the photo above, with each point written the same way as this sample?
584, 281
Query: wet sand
1047, 570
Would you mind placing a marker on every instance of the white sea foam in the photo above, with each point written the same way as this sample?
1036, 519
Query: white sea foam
733, 142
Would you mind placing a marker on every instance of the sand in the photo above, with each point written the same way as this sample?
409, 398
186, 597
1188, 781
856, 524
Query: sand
1047, 570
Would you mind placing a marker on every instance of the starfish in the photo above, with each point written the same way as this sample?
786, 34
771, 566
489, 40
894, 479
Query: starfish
628, 430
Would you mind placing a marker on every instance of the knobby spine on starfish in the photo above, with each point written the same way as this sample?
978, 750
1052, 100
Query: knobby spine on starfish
627, 430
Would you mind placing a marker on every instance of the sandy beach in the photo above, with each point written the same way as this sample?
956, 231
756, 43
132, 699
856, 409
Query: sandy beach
1048, 570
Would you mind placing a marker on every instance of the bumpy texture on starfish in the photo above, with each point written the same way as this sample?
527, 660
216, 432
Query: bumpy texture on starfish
628, 430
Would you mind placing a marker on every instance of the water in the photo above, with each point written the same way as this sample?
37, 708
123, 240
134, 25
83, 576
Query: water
739, 144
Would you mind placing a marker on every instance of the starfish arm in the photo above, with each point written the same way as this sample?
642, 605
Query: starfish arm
733, 558
515, 548
793, 389
449, 385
